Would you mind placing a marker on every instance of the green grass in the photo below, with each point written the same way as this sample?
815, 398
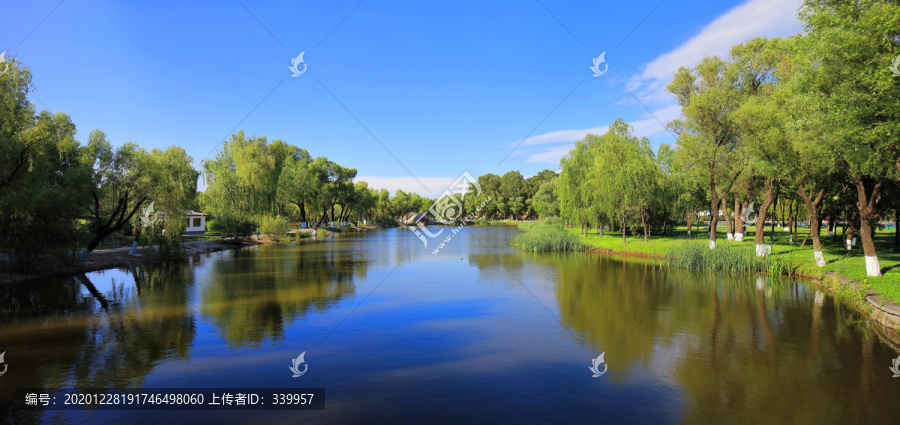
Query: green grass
785, 257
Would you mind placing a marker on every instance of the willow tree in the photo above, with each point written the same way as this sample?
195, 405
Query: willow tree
852, 44
122, 183
545, 201
624, 177
297, 183
242, 182
577, 202
706, 137
43, 186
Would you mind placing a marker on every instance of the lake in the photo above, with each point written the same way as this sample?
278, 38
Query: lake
478, 333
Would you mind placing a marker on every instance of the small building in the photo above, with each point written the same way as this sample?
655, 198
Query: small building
196, 222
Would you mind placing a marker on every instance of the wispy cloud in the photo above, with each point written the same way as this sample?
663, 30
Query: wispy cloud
437, 185
755, 18
649, 126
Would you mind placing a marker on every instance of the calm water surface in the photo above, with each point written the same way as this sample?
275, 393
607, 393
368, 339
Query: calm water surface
479, 333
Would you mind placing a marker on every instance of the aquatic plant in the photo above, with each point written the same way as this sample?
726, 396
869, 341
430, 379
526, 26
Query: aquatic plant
548, 237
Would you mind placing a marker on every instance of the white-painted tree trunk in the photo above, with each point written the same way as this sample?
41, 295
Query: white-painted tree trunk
760, 250
820, 259
729, 236
853, 242
689, 232
873, 268
133, 250
712, 244
739, 237
82, 255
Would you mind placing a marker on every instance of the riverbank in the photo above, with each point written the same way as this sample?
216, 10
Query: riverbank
844, 276
109, 258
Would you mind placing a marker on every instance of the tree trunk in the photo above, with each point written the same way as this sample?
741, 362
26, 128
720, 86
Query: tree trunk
774, 218
115, 222
897, 228
760, 236
812, 208
738, 219
868, 212
690, 221
644, 224
790, 222
713, 215
728, 224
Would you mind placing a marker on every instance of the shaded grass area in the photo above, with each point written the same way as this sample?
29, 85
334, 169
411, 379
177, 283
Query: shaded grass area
789, 257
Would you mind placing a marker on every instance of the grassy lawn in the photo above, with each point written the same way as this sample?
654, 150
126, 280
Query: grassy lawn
851, 265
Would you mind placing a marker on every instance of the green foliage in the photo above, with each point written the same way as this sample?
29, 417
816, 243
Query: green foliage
43, 186
548, 237
239, 227
272, 225
545, 201
386, 222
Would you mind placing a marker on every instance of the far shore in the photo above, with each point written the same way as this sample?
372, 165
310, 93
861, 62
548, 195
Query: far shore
110, 258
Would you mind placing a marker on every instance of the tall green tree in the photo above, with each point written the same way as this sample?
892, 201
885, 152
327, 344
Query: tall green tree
852, 43
706, 135
122, 181
625, 172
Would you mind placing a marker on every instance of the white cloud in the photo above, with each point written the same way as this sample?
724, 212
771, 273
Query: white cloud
437, 185
559, 136
551, 156
649, 126
755, 18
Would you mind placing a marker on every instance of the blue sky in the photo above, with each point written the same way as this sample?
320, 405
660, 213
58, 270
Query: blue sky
411, 94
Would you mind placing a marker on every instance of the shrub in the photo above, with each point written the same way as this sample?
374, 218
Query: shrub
275, 226
236, 226
548, 237
386, 222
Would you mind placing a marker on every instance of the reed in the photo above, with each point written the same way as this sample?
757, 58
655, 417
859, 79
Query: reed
730, 259
548, 237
